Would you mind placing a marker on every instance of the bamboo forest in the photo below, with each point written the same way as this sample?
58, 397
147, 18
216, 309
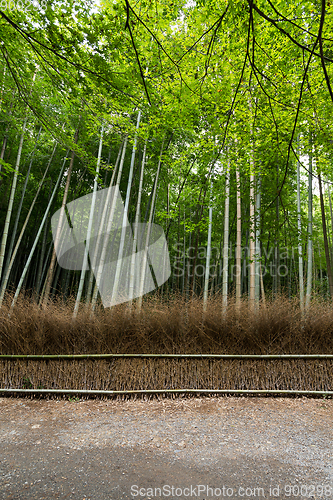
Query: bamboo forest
213, 121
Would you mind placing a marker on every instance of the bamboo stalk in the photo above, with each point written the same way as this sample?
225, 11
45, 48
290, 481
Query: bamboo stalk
257, 242
310, 227
25, 270
135, 236
108, 230
13, 254
226, 242
252, 281
209, 249
49, 277
238, 243
166, 391
14, 230
13, 188
98, 242
145, 254
174, 356
11, 197
299, 235
117, 278
90, 223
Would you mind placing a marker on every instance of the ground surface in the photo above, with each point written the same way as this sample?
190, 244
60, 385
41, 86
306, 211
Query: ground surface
103, 450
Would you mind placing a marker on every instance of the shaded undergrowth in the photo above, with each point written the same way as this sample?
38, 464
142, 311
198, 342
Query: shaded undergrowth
167, 327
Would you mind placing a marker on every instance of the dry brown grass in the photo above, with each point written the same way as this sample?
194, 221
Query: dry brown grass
172, 327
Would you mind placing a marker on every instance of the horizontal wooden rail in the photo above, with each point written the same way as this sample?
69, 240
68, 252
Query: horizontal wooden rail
172, 356
165, 391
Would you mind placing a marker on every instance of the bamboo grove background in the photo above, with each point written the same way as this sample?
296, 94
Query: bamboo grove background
214, 124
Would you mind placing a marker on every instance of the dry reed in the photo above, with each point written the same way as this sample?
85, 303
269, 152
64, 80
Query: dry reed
167, 327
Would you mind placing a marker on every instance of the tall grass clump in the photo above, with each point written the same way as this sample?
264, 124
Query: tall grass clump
173, 326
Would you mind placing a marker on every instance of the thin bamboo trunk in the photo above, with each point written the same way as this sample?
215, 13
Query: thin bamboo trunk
4, 144
184, 252
136, 225
55, 281
238, 244
331, 213
328, 225
244, 271
199, 213
320, 270
5, 137
11, 198
257, 242
125, 217
327, 253
310, 246
48, 256
252, 233
25, 270
108, 230
299, 230
215, 276
178, 244
91, 274
187, 261
62, 213
209, 248
3, 83
90, 222
42, 253
314, 273
277, 283
226, 243
252, 243
262, 286
12, 240
145, 254
11, 262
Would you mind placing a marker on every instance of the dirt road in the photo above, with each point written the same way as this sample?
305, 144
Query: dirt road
205, 448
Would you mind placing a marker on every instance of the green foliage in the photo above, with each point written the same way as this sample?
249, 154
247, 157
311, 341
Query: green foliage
221, 80
6, 168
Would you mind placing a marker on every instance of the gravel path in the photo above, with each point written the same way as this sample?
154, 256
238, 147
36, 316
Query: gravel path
103, 450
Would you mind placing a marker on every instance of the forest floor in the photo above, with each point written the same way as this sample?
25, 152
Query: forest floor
112, 449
